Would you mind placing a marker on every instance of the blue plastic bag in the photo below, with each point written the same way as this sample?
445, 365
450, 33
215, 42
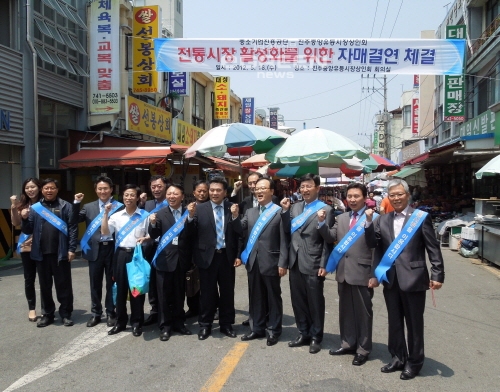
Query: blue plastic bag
114, 292
138, 271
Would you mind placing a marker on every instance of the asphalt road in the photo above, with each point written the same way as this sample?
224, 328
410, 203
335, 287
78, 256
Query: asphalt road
462, 341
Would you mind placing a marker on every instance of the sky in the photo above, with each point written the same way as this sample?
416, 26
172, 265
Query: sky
340, 103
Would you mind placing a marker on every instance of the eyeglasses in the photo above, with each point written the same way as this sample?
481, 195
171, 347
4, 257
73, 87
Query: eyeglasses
396, 195
261, 189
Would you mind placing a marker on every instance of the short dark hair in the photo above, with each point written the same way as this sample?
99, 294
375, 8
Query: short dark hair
358, 185
260, 175
198, 183
312, 177
178, 186
158, 177
103, 179
132, 186
271, 182
218, 180
49, 180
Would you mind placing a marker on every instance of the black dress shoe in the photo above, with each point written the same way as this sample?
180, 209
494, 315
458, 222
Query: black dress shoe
391, 368
190, 313
299, 341
342, 351
359, 359
272, 340
246, 323
229, 331
252, 336
315, 347
137, 331
204, 333
164, 335
44, 321
67, 322
183, 330
93, 321
407, 375
110, 321
115, 330
152, 319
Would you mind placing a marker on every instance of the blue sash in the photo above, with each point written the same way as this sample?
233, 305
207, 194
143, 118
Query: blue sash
50, 217
167, 238
345, 243
164, 203
399, 243
135, 220
313, 207
261, 223
22, 238
95, 224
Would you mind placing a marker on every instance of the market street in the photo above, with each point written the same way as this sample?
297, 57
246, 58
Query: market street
462, 343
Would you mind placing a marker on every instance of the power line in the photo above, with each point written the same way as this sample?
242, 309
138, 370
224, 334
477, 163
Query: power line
383, 23
374, 19
394, 25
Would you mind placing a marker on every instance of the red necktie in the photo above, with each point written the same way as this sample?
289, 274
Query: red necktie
353, 220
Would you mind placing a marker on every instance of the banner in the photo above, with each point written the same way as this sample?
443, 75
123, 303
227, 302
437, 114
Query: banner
454, 86
415, 109
248, 111
273, 118
339, 55
104, 57
185, 133
146, 25
222, 98
147, 119
178, 82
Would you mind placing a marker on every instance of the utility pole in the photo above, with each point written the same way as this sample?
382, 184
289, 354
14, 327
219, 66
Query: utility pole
382, 137
369, 136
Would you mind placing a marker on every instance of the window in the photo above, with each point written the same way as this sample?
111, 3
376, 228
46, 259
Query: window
486, 93
179, 6
492, 11
198, 115
406, 115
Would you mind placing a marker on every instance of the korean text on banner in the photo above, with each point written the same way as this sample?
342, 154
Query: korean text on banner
222, 98
379, 56
186, 134
148, 119
104, 56
454, 85
415, 110
248, 111
145, 27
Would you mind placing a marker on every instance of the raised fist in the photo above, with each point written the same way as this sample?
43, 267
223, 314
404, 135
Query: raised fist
235, 210
285, 203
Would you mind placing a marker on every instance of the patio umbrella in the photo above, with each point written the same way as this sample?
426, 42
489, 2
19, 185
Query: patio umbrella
377, 163
315, 168
255, 161
237, 135
490, 169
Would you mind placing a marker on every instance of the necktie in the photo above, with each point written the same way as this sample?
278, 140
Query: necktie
176, 215
353, 220
219, 227
262, 209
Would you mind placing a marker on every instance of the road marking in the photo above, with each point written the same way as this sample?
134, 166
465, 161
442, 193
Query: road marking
91, 340
225, 368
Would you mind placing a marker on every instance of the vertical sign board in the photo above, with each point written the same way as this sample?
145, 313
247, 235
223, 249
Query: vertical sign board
178, 82
248, 111
104, 54
415, 110
222, 97
273, 118
454, 86
416, 81
146, 26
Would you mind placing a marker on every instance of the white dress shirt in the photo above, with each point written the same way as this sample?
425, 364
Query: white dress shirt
120, 219
399, 220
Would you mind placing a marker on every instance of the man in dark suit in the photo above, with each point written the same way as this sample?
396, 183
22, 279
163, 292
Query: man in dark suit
408, 279
216, 253
171, 265
266, 263
158, 185
355, 277
308, 254
99, 251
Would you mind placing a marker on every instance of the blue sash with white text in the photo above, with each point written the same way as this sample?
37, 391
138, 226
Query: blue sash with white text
164, 203
22, 238
313, 207
261, 223
134, 221
167, 238
399, 243
95, 224
50, 217
345, 243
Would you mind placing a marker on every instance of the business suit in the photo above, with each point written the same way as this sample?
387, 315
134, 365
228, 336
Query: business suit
100, 258
269, 252
308, 252
217, 271
353, 273
406, 291
171, 266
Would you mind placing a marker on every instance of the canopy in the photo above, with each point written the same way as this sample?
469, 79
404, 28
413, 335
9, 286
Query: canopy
490, 169
407, 171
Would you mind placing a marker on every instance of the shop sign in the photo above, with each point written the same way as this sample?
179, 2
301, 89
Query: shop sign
413, 150
4, 120
454, 86
273, 118
147, 119
104, 56
164, 169
248, 111
375, 142
186, 134
484, 125
178, 82
146, 25
222, 98
415, 109
416, 81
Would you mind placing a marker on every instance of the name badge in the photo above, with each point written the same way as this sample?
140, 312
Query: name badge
175, 241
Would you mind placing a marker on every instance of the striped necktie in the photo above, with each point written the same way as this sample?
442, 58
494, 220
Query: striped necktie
219, 227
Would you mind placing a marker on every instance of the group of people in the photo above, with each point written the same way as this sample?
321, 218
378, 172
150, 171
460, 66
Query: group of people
217, 235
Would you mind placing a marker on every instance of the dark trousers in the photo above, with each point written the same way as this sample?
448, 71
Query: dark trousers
355, 317
59, 272
29, 268
121, 259
308, 303
171, 291
406, 307
193, 303
103, 265
265, 294
153, 289
217, 289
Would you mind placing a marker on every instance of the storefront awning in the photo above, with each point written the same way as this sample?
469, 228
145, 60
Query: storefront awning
407, 171
118, 156
225, 165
